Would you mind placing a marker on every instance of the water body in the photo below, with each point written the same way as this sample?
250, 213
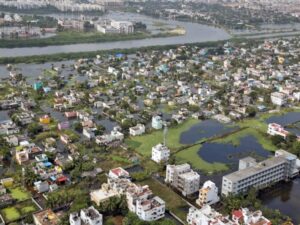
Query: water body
204, 129
195, 33
286, 119
230, 154
284, 197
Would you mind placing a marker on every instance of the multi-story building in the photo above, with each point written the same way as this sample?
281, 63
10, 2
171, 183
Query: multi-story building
160, 153
208, 194
277, 129
183, 178
279, 98
91, 216
124, 27
141, 201
282, 166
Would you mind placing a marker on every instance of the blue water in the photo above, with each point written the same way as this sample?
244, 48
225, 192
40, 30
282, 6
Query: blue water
228, 153
204, 129
285, 119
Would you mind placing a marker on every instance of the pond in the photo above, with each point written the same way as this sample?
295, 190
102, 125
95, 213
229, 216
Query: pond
285, 119
204, 129
230, 154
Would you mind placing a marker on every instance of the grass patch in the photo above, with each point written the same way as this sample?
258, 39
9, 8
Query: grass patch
10, 214
120, 159
143, 144
28, 209
173, 200
19, 194
191, 156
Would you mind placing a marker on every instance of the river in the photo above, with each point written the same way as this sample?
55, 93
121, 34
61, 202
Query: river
195, 33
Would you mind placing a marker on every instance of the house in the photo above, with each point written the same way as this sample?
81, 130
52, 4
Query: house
205, 216
89, 216
157, 122
160, 153
45, 217
208, 194
8, 127
22, 156
88, 133
277, 129
118, 173
139, 129
41, 186
103, 194
7, 182
245, 216
183, 178
45, 119
106, 139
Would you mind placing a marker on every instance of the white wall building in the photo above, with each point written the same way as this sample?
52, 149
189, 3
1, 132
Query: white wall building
183, 178
208, 194
139, 129
279, 98
89, 216
160, 153
282, 166
157, 122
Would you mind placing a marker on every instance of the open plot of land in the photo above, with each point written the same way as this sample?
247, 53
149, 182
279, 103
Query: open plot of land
173, 201
143, 144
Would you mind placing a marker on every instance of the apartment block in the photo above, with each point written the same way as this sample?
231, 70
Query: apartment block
160, 153
282, 166
183, 178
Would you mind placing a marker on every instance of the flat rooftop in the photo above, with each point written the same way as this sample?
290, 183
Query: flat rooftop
259, 167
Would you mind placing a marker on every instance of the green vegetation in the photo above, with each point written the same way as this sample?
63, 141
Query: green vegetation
143, 144
191, 156
10, 214
120, 159
76, 37
77, 55
173, 201
19, 194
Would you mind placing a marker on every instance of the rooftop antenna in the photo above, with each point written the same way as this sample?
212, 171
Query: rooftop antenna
165, 133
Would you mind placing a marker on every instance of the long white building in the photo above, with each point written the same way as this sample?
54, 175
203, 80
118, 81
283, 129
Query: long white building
282, 166
183, 178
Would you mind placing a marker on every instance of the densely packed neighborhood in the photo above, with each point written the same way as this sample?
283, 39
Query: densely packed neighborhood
68, 143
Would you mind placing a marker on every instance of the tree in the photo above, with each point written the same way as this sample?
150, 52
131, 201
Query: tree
29, 177
34, 128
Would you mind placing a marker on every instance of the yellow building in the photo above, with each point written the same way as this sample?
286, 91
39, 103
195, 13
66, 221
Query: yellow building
45, 119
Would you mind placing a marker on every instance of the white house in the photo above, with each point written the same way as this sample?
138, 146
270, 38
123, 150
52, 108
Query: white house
160, 153
141, 201
208, 194
139, 129
89, 216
